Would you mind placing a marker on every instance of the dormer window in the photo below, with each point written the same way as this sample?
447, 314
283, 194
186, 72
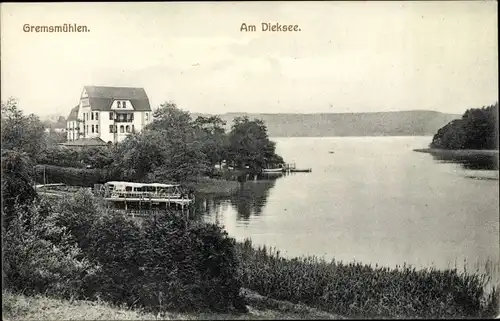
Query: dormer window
124, 104
118, 104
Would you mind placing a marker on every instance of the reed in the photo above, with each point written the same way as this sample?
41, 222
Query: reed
361, 290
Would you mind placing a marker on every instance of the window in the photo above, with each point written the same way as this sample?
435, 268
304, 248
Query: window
96, 128
91, 115
92, 127
124, 104
87, 129
133, 130
87, 115
127, 129
147, 116
118, 104
110, 115
121, 129
116, 129
96, 115
110, 128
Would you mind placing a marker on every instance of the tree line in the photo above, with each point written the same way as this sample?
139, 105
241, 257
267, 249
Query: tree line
477, 129
174, 147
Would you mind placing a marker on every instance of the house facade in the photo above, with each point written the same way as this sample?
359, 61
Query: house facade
109, 113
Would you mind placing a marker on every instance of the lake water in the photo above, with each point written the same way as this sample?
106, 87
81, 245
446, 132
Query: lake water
373, 200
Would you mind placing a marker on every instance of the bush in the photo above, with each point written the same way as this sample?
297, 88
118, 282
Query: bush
71, 176
357, 290
96, 157
38, 257
167, 263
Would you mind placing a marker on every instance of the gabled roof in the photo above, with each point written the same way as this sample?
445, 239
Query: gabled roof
102, 97
73, 115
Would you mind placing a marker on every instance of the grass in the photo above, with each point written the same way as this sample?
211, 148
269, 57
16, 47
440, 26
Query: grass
20, 307
206, 185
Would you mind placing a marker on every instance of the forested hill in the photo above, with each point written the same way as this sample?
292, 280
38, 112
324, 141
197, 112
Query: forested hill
399, 123
476, 129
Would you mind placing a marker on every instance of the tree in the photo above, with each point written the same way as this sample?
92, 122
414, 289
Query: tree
17, 184
167, 150
249, 144
477, 129
21, 132
211, 133
53, 138
168, 117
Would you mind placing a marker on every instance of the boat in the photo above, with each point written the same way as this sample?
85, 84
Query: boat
272, 170
331, 152
155, 193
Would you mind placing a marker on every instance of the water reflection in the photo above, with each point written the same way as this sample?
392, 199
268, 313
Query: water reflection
247, 201
251, 197
474, 162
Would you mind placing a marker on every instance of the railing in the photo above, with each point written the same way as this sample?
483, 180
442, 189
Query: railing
121, 120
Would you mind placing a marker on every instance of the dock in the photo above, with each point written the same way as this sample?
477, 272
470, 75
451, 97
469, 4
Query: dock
286, 168
140, 198
292, 168
159, 196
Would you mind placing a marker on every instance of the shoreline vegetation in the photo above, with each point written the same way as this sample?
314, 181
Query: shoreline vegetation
61, 252
471, 140
458, 152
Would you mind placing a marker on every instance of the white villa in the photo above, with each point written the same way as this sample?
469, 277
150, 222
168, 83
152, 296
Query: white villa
108, 114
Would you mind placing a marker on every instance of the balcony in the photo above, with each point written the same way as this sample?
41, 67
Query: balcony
122, 120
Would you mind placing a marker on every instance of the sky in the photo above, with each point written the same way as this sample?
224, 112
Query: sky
347, 56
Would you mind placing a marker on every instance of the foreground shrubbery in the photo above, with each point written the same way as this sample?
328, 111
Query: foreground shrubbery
79, 249
39, 256
357, 290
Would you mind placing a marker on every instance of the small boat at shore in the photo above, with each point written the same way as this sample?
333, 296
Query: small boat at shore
272, 170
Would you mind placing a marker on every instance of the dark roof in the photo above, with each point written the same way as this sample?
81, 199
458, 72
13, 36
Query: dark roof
102, 97
85, 142
73, 115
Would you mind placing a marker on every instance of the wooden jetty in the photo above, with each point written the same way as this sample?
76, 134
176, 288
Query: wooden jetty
140, 195
286, 168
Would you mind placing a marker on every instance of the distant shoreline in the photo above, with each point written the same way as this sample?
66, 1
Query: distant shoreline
458, 152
